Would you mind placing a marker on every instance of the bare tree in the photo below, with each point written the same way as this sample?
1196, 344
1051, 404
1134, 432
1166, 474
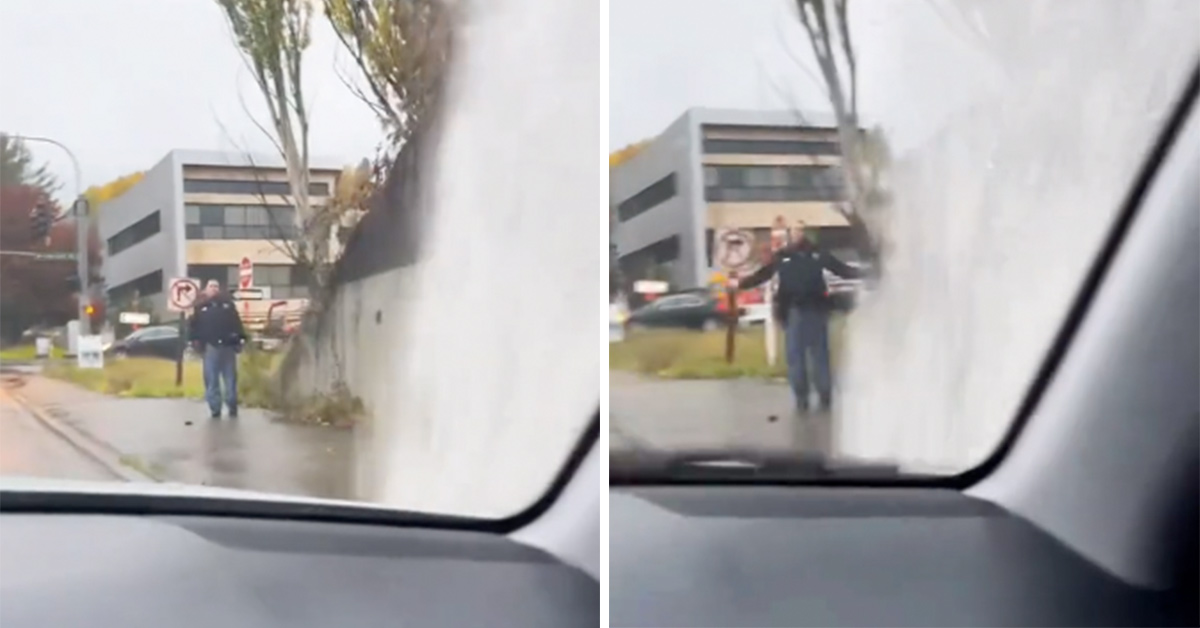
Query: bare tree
401, 48
272, 36
827, 27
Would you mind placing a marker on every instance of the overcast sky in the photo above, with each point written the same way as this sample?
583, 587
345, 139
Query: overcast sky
669, 55
122, 82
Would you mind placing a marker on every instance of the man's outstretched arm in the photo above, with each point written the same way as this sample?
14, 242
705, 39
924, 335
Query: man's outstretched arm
840, 268
759, 276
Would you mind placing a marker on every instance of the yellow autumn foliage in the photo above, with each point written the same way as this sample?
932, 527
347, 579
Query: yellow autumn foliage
100, 194
623, 155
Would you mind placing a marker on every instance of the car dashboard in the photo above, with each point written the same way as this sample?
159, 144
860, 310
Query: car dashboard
789, 556
66, 570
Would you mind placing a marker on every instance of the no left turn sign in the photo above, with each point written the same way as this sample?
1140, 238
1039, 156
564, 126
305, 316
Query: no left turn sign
182, 294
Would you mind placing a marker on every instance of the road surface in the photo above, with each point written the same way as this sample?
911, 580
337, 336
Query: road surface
707, 414
29, 448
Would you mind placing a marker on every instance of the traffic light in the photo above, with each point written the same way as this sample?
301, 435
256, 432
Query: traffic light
89, 309
40, 220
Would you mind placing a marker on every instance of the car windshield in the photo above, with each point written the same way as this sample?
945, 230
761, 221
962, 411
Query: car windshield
903, 199
362, 224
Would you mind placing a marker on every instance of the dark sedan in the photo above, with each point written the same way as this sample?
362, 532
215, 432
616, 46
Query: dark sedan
694, 310
154, 342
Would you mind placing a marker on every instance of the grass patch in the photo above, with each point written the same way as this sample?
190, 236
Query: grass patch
681, 354
155, 379
152, 378
27, 353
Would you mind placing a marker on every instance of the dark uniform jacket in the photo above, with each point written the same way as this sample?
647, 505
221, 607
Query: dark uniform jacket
801, 276
215, 322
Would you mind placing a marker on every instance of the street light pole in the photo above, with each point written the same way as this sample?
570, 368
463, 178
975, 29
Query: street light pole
80, 211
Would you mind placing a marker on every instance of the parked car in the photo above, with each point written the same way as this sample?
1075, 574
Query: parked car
845, 293
158, 342
692, 310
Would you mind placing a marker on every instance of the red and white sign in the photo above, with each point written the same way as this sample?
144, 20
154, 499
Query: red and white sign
735, 249
182, 294
246, 274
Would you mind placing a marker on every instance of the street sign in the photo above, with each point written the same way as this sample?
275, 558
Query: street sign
648, 286
182, 294
43, 257
57, 257
134, 318
735, 249
91, 352
246, 274
248, 294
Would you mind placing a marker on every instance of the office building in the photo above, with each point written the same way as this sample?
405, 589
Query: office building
198, 214
714, 169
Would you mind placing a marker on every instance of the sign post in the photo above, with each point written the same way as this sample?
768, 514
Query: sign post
735, 254
245, 281
732, 323
181, 297
779, 238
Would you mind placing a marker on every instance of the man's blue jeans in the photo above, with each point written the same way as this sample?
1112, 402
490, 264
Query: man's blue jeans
220, 365
807, 336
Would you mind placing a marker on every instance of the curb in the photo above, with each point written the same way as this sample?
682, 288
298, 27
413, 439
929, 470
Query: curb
105, 456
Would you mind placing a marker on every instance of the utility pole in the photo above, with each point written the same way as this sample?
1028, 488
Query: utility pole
80, 211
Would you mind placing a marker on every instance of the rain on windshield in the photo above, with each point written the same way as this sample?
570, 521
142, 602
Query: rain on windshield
853, 229
319, 243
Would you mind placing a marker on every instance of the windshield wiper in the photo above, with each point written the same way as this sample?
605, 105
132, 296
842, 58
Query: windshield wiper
642, 466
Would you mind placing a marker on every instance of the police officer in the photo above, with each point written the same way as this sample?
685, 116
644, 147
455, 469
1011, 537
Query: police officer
217, 333
802, 304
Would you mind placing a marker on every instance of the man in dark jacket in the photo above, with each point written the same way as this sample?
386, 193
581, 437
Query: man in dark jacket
217, 333
802, 305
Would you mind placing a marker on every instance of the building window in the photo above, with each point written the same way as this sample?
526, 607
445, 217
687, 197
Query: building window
144, 286
240, 222
283, 281
224, 274
135, 233
259, 188
750, 184
655, 261
771, 147
656, 193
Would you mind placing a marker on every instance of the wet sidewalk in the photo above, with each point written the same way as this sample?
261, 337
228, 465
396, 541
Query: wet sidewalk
727, 414
174, 440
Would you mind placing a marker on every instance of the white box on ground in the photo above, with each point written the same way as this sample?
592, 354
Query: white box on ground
42, 347
91, 352
616, 322
72, 338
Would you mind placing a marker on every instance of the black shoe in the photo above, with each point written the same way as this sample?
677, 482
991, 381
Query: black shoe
826, 403
233, 412
214, 416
